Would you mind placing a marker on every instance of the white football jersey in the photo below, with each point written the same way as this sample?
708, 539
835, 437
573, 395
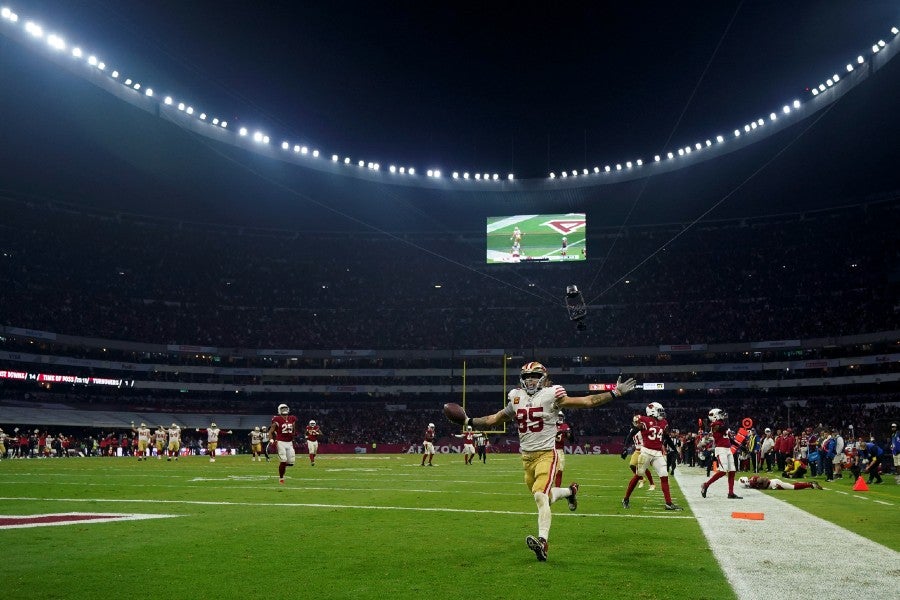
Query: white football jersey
535, 416
212, 434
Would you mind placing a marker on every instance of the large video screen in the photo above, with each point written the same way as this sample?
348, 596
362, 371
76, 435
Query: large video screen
536, 238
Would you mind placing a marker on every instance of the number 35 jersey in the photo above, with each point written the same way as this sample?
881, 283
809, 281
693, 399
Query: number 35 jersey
535, 416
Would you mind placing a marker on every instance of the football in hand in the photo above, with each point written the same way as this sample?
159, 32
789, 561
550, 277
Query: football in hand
455, 413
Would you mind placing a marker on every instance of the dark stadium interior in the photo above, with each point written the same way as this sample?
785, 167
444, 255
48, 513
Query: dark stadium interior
127, 239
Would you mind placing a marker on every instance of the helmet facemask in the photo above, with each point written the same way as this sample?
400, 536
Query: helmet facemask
533, 377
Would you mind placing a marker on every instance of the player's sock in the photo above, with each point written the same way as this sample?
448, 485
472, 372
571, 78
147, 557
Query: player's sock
716, 476
802, 486
631, 485
544, 514
730, 482
282, 467
664, 484
559, 492
649, 478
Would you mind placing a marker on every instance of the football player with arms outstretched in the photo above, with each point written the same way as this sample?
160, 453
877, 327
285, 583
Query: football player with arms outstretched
282, 431
534, 407
653, 428
212, 440
313, 433
428, 444
468, 450
724, 455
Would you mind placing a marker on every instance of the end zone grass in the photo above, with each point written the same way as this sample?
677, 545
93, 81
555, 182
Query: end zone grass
350, 527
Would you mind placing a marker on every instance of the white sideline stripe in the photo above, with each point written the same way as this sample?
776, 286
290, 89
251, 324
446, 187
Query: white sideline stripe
332, 506
507, 222
791, 536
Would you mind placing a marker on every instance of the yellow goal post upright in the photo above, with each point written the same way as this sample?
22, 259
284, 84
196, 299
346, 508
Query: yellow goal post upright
502, 394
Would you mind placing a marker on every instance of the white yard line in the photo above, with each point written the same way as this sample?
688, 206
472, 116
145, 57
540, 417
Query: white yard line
806, 555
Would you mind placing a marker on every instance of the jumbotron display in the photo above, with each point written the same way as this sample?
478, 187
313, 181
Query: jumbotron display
536, 238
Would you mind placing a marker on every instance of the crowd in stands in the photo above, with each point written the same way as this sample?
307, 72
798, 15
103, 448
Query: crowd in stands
796, 277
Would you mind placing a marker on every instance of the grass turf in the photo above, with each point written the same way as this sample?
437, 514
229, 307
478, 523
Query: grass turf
364, 527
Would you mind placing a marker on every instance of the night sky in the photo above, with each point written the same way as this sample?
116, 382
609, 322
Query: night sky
484, 86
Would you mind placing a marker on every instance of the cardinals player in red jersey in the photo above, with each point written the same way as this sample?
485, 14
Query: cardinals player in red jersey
282, 431
563, 434
468, 444
762, 483
428, 452
724, 455
653, 427
313, 433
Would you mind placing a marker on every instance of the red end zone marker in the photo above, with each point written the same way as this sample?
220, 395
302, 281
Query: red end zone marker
750, 516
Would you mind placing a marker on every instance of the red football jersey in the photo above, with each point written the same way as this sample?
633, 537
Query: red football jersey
429, 435
652, 432
285, 427
313, 433
718, 430
562, 434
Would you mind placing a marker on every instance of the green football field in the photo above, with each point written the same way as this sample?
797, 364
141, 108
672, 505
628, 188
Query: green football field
361, 526
541, 237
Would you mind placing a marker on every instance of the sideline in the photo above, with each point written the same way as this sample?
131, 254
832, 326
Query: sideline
790, 554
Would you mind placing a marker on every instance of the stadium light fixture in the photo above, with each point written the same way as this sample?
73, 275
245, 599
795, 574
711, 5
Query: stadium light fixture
510, 177
564, 174
639, 162
881, 43
181, 106
296, 148
670, 155
361, 163
411, 171
392, 168
687, 149
596, 169
760, 122
334, 158
203, 116
56, 42
753, 125
698, 145
860, 60
215, 120
76, 52
574, 174
821, 87
285, 146
149, 93
875, 48
849, 67
829, 82
224, 124
552, 175
815, 91
114, 74
773, 117
136, 86
5, 13
607, 168
720, 139
315, 154
656, 158
402, 170
585, 171
466, 175
618, 167
455, 175
894, 30
786, 109
628, 164
495, 177
242, 132
681, 152
347, 161
737, 133
101, 65
189, 110
34, 29
168, 101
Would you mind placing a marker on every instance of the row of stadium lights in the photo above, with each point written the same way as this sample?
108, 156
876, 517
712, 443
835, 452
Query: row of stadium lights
58, 44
